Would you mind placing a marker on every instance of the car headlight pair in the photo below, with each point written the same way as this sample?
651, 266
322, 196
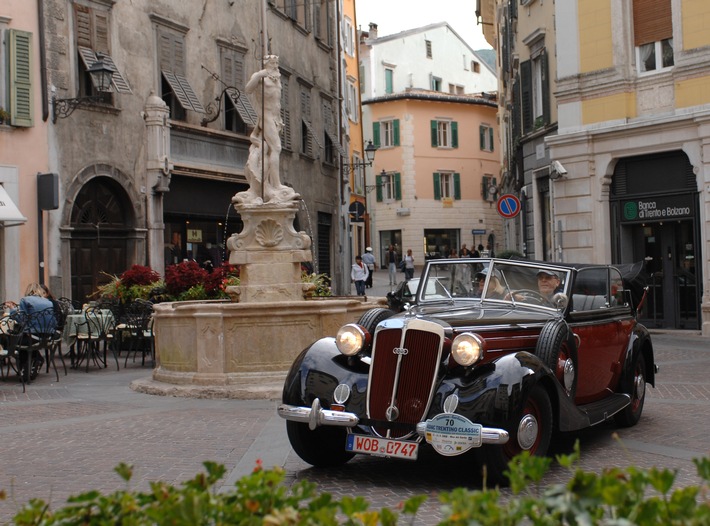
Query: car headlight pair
467, 349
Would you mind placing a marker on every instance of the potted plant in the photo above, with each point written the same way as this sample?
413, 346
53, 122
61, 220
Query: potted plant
4, 116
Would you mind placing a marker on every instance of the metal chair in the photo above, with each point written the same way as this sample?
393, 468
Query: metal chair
139, 330
40, 338
93, 344
12, 331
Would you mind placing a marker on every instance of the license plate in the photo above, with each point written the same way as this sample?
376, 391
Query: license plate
383, 447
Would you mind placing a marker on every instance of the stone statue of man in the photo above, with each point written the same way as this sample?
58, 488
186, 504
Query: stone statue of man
265, 139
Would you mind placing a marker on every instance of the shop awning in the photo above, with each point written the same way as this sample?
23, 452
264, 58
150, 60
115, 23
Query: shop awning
9, 213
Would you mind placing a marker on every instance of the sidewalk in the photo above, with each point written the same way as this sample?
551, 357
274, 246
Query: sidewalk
380, 283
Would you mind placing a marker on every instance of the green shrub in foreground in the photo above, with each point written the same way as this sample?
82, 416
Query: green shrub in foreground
615, 497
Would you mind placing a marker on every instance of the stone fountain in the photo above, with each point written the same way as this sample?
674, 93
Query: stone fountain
244, 348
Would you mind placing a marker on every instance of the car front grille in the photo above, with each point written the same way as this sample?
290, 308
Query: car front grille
405, 362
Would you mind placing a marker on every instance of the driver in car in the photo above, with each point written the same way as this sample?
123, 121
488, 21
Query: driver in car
548, 283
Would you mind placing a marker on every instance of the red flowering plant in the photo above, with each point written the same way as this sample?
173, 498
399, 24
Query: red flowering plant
137, 282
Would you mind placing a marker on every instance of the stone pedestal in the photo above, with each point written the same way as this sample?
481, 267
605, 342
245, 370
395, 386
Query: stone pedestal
269, 253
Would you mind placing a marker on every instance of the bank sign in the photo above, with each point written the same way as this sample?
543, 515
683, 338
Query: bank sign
658, 208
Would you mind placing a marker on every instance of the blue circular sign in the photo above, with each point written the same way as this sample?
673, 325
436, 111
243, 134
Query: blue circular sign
508, 205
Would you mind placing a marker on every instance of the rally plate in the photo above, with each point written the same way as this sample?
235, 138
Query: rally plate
383, 447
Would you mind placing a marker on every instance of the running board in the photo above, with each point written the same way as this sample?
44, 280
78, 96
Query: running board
602, 410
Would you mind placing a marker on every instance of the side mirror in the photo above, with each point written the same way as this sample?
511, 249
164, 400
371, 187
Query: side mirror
560, 301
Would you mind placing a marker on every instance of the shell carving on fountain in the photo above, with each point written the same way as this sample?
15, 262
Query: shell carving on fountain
269, 233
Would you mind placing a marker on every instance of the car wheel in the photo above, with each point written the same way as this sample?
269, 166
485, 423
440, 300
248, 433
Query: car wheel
531, 431
371, 318
322, 447
636, 387
556, 348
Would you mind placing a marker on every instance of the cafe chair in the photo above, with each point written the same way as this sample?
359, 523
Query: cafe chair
40, 341
12, 329
138, 331
94, 342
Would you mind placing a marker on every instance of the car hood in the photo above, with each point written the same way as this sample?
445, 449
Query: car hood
483, 314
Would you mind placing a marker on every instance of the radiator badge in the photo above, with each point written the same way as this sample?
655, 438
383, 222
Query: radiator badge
392, 413
400, 350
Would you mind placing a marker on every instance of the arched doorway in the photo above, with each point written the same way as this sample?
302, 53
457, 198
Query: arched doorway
655, 220
101, 222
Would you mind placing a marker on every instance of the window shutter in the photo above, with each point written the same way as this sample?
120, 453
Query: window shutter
101, 35
652, 21
20, 51
455, 134
457, 186
545, 89
397, 186
526, 95
376, 134
395, 125
83, 26
378, 183
482, 136
434, 134
490, 137
437, 186
285, 114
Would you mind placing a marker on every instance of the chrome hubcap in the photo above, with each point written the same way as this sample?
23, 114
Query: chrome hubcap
527, 431
568, 374
640, 386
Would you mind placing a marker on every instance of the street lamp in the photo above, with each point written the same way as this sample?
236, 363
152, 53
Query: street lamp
370, 150
101, 74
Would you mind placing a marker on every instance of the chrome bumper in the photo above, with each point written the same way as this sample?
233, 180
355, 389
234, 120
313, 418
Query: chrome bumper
316, 416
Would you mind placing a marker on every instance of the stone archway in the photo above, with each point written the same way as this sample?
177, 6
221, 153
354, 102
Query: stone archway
102, 222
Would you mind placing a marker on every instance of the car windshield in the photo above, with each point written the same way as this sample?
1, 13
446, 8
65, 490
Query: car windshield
504, 281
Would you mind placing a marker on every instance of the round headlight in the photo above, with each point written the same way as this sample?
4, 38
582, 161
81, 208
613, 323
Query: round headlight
467, 348
350, 339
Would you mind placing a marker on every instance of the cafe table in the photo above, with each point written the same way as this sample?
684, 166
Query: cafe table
88, 334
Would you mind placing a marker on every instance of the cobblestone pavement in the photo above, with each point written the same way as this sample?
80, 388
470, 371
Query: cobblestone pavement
62, 438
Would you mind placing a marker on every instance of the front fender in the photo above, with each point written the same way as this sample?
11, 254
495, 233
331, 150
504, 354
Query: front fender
318, 370
495, 393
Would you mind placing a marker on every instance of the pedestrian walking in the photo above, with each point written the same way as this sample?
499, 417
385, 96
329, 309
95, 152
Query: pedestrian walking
359, 274
392, 262
369, 259
408, 265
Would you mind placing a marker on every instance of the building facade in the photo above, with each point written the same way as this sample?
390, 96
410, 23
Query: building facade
23, 148
634, 111
628, 163
429, 104
147, 171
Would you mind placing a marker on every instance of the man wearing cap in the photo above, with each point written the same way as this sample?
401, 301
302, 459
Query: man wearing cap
548, 283
369, 260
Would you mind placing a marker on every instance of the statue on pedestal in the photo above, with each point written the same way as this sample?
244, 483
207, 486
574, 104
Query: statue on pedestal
265, 149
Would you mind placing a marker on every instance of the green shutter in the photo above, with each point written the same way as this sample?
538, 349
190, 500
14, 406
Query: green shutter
437, 187
378, 183
434, 134
376, 134
490, 135
455, 134
482, 136
20, 54
395, 124
397, 186
457, 186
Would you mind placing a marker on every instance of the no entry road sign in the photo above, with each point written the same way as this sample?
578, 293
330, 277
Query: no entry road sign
508, 206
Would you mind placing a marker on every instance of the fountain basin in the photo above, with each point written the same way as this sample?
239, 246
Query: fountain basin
219, 349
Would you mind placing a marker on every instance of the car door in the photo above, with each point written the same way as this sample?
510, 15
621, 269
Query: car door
600, 323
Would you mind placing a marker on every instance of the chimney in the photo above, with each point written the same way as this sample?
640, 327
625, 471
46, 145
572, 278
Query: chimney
373, 30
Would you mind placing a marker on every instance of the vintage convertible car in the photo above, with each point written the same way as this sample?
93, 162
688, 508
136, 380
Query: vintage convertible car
490, 360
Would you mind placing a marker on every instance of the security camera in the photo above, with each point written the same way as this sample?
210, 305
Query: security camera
557, 170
